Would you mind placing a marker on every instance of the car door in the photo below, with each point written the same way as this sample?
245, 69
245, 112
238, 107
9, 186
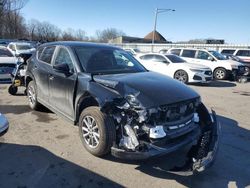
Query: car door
204, 58
61, 85
41, 70
160, 64
146, 61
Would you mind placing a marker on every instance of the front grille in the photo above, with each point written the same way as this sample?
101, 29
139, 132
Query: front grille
208, 78
197, 77
173, 112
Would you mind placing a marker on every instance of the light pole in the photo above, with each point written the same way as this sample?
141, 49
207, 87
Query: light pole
157, 11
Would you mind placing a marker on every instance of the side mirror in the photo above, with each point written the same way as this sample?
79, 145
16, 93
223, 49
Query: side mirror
211, 58
62, 68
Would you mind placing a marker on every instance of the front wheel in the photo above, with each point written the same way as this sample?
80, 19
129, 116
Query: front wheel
12, 90
97, 131
181, 75
32, 96
220, 74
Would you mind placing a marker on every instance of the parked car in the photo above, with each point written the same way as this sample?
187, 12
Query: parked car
243, 54
18, 48
133, 51
4, 124
222, 68
236, 58
176, 67
7, 64
118, 105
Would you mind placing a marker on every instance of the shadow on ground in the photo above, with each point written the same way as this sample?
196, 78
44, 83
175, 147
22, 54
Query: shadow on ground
216, 83
34, 166
232, 165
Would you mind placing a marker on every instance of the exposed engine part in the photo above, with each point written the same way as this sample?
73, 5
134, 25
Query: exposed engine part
157, 132
130, 141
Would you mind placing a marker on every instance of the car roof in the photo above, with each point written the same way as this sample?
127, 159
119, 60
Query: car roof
189, 48
77, 43
20, 43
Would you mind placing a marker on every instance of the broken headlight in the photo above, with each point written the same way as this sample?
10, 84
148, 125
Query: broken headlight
132, 100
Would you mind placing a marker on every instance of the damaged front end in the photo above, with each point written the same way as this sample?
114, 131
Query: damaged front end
143, 133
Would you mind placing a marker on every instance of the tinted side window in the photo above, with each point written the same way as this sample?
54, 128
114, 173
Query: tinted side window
63, 57
147, 57
243, 53
203, 55
47, 54
175, 51
227, 51
188, 53
5, 53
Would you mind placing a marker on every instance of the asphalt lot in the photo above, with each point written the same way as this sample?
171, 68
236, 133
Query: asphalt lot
42, 150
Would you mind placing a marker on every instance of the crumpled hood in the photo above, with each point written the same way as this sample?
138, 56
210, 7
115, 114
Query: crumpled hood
196, 66
151, 89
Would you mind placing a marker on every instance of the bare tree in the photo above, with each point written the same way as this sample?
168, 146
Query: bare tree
108, 34
11, 22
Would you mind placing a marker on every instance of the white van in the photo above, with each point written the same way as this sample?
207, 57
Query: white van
222, 68
243, 54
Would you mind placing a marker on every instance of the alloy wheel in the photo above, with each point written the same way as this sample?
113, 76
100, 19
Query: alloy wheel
90, 131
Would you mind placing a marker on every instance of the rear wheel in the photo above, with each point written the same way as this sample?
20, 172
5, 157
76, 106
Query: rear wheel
220, 74
32, 96
97, 131
181, 75
12, 90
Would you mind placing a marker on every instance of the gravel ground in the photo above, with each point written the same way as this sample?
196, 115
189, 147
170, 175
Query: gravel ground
43, 150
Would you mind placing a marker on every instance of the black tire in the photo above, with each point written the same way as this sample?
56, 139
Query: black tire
32, 96
181, 75
220, 74
105, 129
12, 90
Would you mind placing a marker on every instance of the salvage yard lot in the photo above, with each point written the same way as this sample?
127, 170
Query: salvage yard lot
43, 150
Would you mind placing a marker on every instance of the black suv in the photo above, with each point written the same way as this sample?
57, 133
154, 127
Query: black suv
118, 105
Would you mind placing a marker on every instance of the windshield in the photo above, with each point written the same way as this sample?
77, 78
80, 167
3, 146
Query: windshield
107, 61
23, 47
218, 55
175, 59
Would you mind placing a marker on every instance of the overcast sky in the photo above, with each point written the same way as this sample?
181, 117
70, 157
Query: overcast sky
221, 19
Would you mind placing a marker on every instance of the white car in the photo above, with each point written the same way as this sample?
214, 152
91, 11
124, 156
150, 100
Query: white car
222, 67
18, 48
7, 64
176, 67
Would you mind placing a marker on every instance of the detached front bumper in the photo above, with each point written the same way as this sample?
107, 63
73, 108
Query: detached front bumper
4, 124
192, 140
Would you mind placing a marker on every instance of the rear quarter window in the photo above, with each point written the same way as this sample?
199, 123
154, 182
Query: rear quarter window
188, 53
175, 51
46, 54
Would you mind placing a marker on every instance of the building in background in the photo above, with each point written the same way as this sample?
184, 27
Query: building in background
147, 39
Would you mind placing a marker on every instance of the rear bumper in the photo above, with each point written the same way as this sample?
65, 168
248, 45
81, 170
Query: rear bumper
195, 165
